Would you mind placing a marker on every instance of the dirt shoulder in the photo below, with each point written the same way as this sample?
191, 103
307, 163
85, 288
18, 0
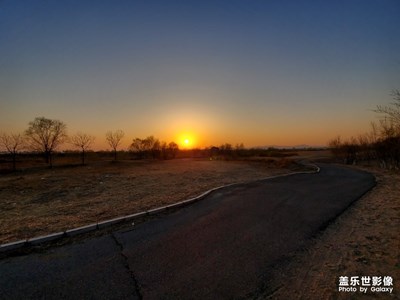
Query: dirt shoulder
41, 201
363, 241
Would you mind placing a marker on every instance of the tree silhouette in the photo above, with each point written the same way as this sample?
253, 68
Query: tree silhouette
12, 143
173, 149
138, 147
153, 146
114, 140
381, 143
82, 141
45, 135
392, 112
148, 147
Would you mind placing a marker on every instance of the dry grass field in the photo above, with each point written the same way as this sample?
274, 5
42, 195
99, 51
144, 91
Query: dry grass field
362, 242
40, 201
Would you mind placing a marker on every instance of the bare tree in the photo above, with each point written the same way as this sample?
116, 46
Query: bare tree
138, 147
392, 112
336, 146
148, 147
12, 143
153, 146
373, 135
82, 141
381, 143
164, 150
169, 151
173, 149
45, 135
114, 140
226, 150
388, 145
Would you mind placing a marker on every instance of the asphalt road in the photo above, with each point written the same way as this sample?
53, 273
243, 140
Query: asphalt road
221, 247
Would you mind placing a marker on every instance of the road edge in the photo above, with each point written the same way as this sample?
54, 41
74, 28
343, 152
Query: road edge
39, 240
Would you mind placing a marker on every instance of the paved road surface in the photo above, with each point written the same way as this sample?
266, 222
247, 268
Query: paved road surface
219, 248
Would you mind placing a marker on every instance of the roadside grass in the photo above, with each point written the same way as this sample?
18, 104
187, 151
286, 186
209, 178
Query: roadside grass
39, 200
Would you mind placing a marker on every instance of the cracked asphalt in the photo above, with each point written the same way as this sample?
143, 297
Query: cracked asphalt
221, 247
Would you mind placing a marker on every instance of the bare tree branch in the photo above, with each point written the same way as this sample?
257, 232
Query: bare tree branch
392, 112
114, 140
82, 141
46, 135
12, 143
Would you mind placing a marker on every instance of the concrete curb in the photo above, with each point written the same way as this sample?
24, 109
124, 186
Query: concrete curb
83, 229
12, 246
45, 238
100, 225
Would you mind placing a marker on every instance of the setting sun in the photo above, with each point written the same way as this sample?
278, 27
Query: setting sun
187, 140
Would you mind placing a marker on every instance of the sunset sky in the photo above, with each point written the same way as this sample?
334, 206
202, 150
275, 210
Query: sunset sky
259, 72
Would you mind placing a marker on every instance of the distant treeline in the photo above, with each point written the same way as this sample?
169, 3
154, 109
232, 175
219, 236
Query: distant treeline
381, 143
43, 138
27, 159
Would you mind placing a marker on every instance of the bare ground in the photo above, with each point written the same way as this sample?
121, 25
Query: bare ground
41, 201
363, 241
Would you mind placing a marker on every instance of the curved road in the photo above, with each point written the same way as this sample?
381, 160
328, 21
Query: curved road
219, 248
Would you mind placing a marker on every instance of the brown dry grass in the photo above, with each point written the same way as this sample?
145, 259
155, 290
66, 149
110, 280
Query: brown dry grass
363, 241
41, 201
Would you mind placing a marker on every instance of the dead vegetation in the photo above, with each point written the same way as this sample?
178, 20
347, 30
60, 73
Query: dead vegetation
41, 201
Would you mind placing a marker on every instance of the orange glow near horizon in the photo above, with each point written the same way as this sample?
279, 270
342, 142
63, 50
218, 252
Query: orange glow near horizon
187, 141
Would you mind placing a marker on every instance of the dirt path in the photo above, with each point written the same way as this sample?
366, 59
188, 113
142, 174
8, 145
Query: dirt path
364, 241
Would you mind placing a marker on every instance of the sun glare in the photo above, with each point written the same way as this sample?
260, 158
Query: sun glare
186, 141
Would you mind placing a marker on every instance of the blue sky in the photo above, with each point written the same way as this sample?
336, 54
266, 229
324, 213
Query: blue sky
258, 72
